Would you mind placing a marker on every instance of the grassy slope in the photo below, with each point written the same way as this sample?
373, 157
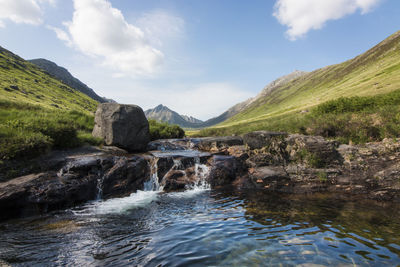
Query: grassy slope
38, 112
377, 71
23, 82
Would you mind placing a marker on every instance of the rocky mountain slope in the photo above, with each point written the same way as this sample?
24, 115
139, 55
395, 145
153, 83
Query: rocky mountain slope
163, 113
63, 75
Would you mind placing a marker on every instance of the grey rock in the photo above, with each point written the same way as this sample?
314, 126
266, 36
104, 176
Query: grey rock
216, 143
223, 170
260, 139
124, 126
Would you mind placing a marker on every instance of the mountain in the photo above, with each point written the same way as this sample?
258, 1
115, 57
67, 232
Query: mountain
23, 82
63, 75
377, 71
245, 104
163, 113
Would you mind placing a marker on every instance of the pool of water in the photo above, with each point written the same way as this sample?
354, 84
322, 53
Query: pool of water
209, 228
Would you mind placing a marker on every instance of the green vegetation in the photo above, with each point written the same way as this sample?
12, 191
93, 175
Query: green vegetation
355, 119
39, 113
322, 177
358, 101
163, 130
30, 130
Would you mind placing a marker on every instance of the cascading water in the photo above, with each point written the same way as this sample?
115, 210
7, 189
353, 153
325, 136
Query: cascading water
201, 172
153, 184
99, 187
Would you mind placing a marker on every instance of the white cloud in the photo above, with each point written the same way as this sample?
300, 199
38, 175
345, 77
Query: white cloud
61, 34
161, 27
301, 16
101, 31
22, 11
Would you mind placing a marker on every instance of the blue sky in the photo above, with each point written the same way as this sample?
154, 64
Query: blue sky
197, 57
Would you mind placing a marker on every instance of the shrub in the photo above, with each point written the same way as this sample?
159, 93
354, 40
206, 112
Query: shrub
163, 130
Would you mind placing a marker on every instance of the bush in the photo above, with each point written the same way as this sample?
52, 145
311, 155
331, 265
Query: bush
163, 130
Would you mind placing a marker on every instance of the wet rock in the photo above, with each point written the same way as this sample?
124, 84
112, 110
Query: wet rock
124, 126
126, 176
241, 154
223, 170
74, 183
260, 139
271, 178
163, 166
33, 194
175, 180
163, 146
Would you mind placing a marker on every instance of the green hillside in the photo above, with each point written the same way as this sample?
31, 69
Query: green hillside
23, 82
372, 73
38, 112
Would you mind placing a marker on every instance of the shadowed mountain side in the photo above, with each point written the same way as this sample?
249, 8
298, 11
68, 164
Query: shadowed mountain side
63, 75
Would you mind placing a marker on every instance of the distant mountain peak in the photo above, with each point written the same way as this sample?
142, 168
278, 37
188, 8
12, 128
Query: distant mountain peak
163, 113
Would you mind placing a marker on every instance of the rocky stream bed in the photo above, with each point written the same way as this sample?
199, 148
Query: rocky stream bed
272, 162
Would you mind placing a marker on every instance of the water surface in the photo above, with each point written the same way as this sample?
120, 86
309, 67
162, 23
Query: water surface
209, 228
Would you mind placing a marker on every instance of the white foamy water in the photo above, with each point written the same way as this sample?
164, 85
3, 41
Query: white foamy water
120, 205
188, 193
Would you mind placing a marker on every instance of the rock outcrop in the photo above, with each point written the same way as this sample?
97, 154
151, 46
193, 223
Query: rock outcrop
278, 162
124, 126
81, 179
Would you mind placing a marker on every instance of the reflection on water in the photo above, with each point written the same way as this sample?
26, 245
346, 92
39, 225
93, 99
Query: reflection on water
209, 228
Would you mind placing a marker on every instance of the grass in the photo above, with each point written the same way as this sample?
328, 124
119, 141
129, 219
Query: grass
39, 113
356, 100
30, 130
353, 119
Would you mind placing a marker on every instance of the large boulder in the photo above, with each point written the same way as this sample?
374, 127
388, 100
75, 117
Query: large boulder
124, 126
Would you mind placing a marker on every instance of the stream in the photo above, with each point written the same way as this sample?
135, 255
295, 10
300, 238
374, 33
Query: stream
207, 227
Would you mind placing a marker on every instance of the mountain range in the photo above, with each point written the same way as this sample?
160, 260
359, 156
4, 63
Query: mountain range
163, 113
66, 77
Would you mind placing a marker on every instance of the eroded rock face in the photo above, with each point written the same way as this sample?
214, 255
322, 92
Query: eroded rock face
79, 180
126, 176
124, 126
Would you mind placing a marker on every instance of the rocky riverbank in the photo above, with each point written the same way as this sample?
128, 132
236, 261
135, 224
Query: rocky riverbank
273, 162
308, 164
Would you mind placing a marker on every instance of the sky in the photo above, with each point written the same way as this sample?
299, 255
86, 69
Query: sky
196, 57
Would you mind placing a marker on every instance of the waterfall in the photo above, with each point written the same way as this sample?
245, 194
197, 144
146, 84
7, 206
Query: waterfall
99, 186
153, 184
201, 172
